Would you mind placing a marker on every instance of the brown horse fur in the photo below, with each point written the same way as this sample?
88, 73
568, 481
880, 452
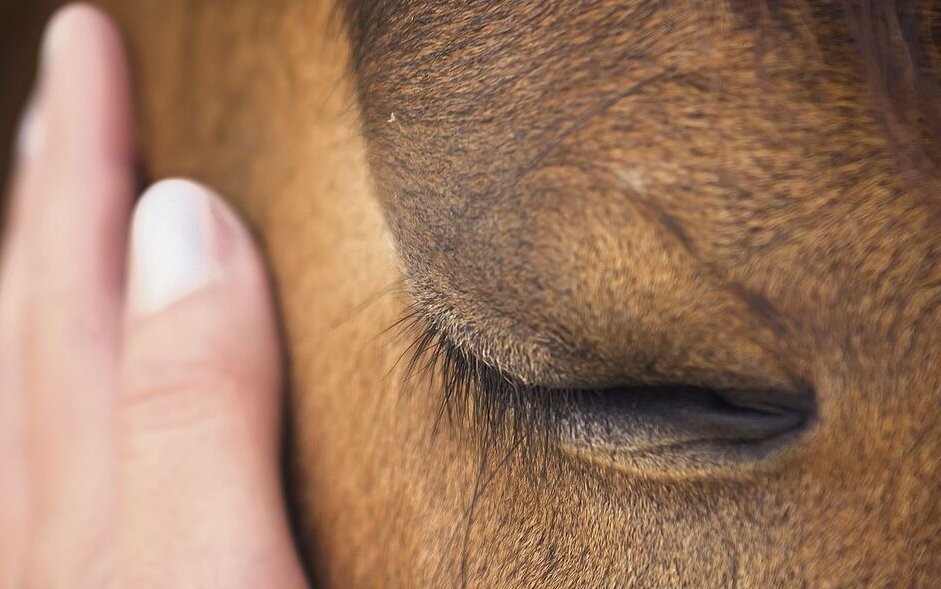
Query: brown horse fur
573, 195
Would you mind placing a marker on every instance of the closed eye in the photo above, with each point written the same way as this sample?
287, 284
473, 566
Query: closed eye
657, 429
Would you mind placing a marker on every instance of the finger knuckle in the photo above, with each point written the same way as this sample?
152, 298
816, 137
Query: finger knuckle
173, 396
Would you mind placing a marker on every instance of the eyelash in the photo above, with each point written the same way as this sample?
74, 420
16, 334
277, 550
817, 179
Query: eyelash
492, 403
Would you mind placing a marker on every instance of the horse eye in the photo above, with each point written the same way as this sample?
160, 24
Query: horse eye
657, 429
682, 428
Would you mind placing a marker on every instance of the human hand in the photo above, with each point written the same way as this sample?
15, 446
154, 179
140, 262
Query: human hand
139, 409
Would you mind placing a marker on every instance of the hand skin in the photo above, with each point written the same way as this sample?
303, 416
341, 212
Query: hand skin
140, 374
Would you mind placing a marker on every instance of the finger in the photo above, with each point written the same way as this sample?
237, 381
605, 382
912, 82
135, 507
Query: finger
74, 225
14, 492
201, 496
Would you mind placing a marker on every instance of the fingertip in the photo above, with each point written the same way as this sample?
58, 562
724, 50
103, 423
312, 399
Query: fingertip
200, 356
84, 78
71, 20
199, 305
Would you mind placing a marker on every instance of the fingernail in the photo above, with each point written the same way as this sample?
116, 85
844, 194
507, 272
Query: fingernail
174, 245
29, 138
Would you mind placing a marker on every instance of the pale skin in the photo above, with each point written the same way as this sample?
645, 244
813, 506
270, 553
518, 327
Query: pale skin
140, 370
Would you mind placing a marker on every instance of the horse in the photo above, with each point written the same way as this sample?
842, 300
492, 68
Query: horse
607, 293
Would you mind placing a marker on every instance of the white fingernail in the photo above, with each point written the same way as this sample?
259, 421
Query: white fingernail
172, 245
30, 136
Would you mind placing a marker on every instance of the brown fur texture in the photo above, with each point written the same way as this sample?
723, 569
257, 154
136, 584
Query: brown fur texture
580, 194
594, 193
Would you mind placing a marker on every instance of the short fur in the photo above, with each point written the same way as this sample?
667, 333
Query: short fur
579, 192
